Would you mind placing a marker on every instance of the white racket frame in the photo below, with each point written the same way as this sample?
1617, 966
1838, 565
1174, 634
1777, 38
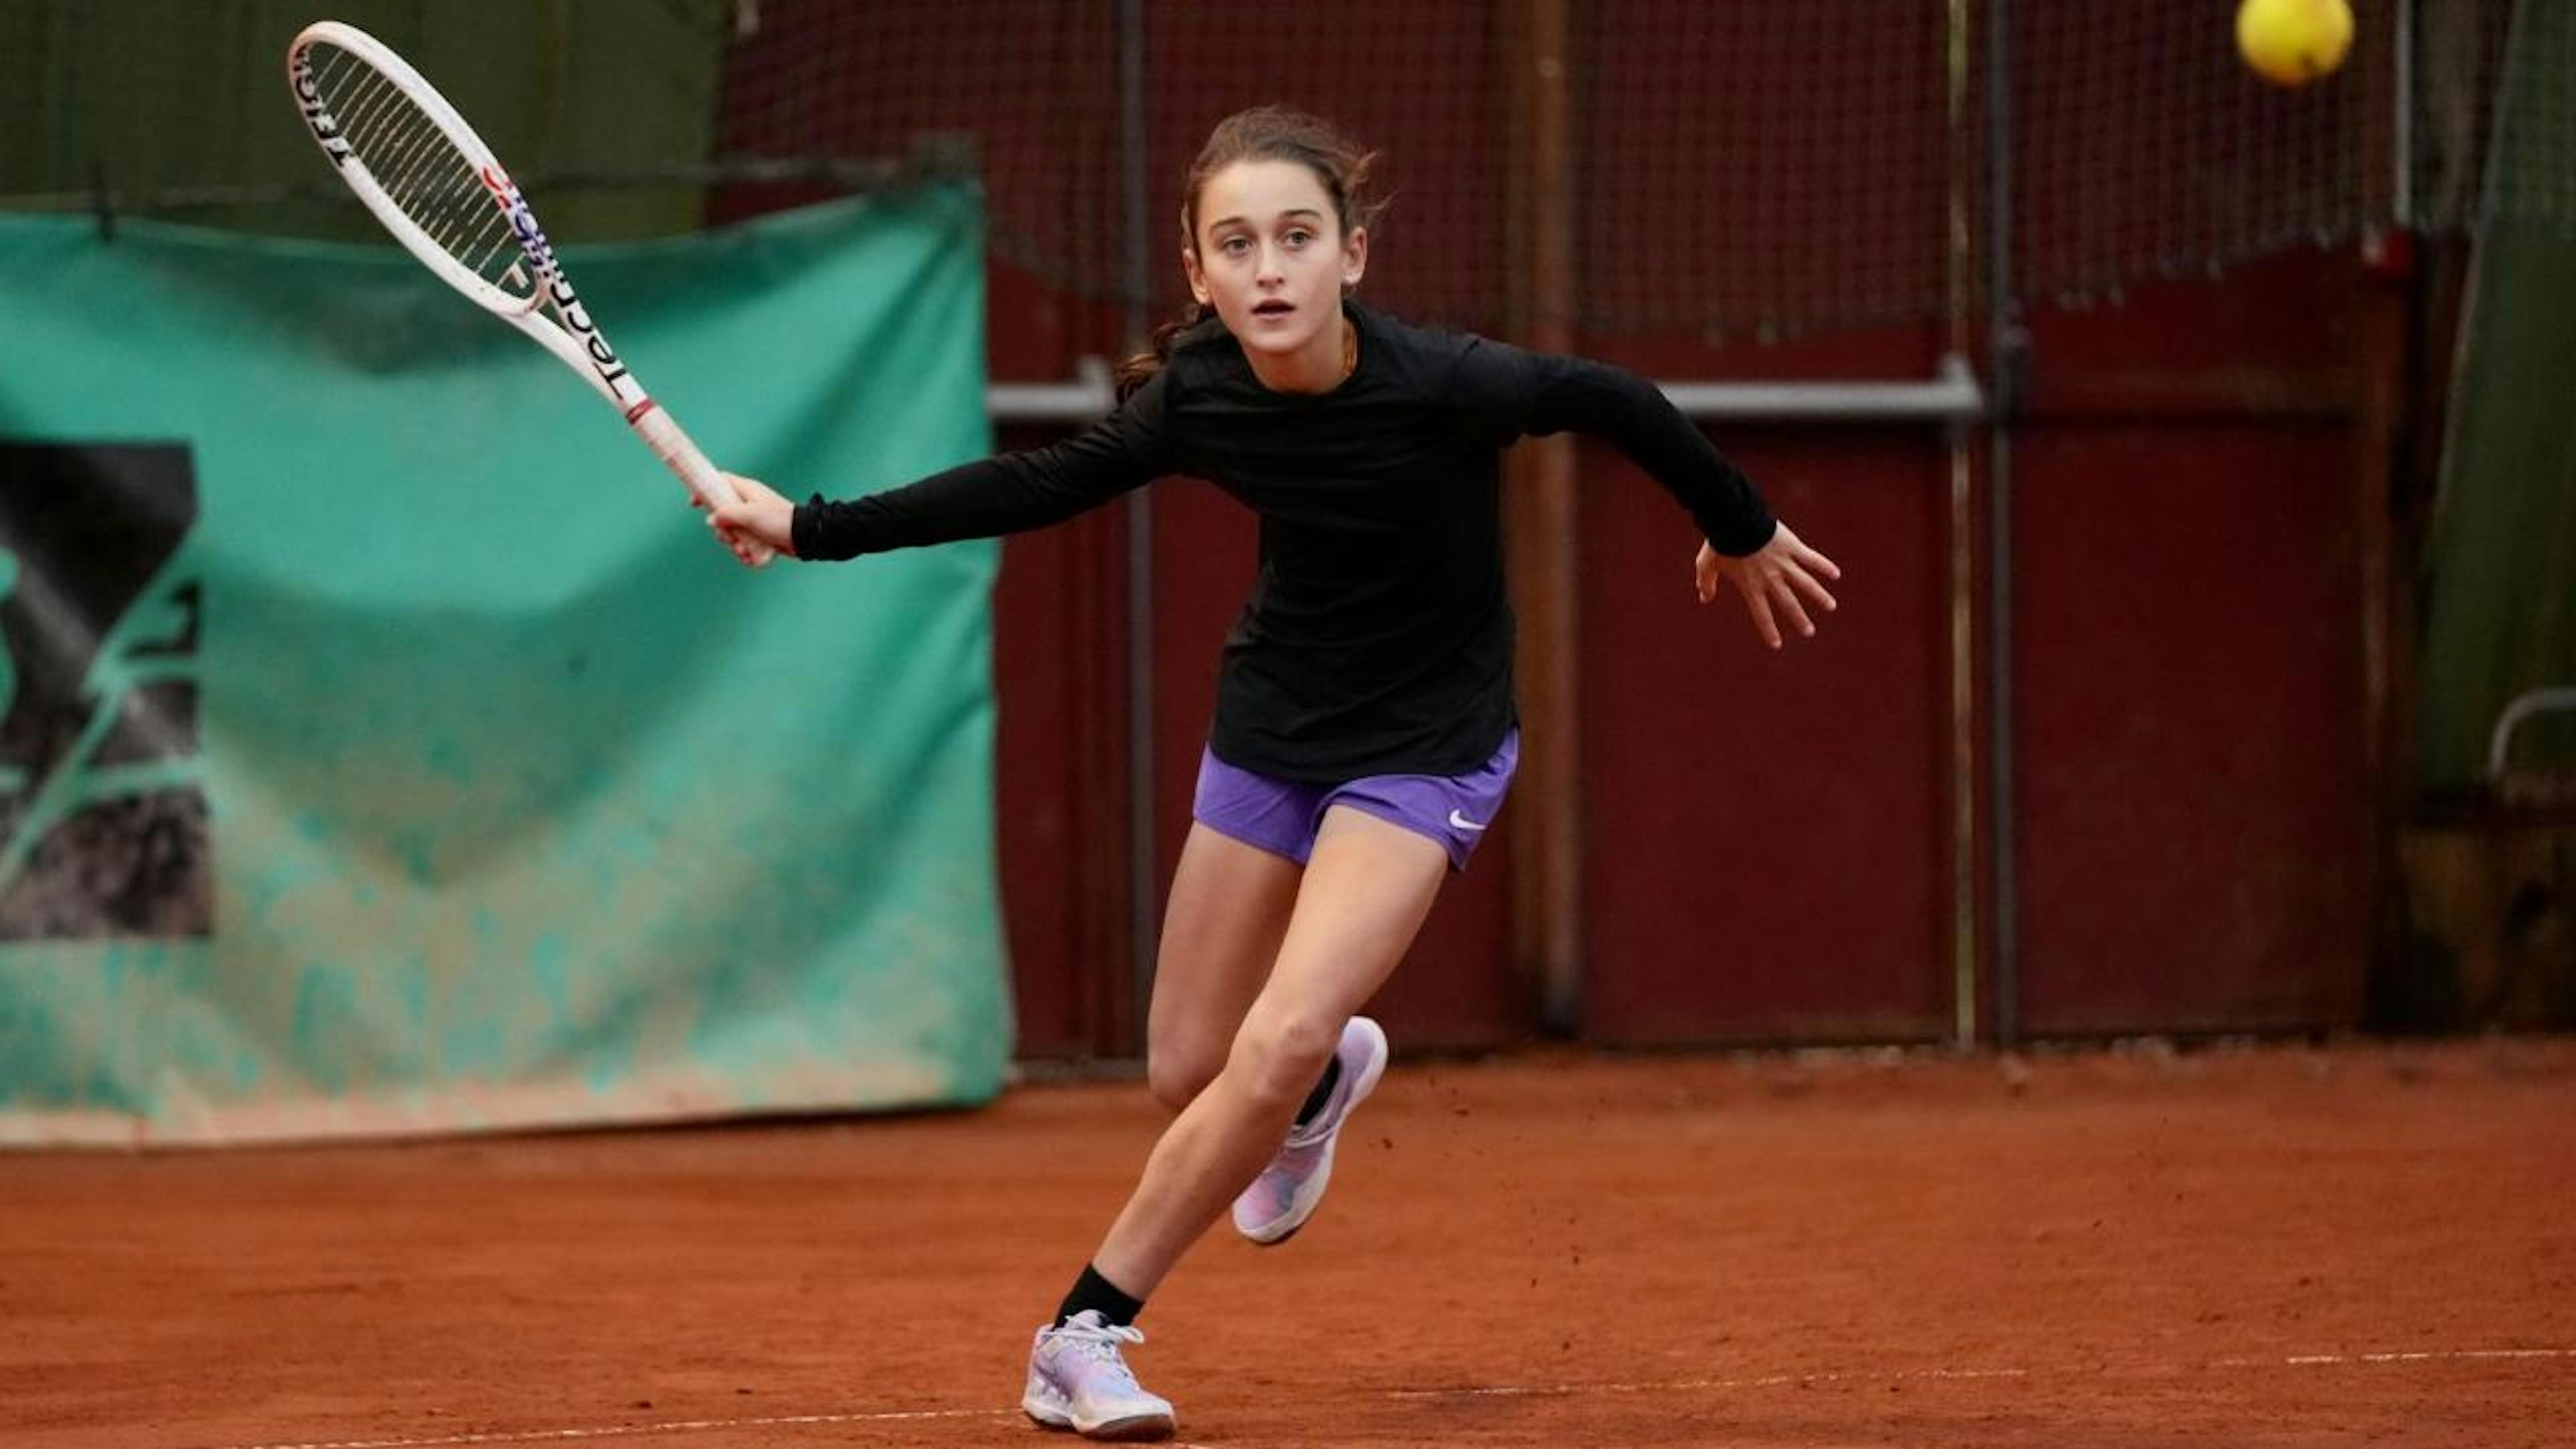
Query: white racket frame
552, 313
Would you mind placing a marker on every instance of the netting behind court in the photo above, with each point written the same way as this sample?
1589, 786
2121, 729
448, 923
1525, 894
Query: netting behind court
1738, 171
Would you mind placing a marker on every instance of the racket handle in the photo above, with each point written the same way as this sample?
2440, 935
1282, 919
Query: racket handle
682, 457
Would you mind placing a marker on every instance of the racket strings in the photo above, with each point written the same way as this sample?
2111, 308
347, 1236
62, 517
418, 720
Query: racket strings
420, 169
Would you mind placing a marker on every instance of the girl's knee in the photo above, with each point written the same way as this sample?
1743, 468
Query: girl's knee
1279, 1057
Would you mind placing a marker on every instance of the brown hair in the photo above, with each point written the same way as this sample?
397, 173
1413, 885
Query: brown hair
1263, 133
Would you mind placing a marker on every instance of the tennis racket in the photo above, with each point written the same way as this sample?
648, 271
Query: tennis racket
434, 184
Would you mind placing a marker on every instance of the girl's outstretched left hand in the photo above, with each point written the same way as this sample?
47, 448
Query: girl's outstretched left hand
1779, 580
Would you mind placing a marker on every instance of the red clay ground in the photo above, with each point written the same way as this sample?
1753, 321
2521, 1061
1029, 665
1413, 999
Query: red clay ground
2250, 1247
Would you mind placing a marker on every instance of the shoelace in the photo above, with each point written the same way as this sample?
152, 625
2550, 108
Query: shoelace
1099, 1344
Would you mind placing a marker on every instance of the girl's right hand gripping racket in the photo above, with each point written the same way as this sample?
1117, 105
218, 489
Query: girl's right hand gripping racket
434, 184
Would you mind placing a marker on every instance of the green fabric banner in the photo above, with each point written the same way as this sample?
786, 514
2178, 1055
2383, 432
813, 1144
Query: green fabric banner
384, 745
2499, 576
2499, 589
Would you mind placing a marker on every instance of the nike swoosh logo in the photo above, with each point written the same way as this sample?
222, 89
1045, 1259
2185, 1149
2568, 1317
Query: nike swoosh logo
1461, 822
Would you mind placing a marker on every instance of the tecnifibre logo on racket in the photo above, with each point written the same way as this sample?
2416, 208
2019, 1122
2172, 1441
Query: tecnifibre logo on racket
317, 116
541, 257
523, 224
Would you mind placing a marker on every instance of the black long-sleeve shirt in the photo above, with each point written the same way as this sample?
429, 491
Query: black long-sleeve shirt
1378, 639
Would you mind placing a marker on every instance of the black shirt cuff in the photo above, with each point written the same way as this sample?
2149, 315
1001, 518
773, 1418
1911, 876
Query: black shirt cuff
1741, 535
811, 531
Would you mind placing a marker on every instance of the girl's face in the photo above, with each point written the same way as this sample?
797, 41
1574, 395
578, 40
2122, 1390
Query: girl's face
1272, 260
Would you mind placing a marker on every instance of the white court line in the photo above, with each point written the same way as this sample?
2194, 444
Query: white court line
1669, 1386
1491, 1391
672, 1426
2417, 1357
2305, 1360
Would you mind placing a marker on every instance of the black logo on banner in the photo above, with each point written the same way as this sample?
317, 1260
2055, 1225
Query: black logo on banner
102, 801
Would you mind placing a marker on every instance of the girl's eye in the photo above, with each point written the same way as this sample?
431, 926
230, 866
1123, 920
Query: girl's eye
1235, 246
1300, 238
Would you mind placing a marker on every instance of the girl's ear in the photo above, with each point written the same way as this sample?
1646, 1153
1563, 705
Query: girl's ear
1198, 278
1354, 256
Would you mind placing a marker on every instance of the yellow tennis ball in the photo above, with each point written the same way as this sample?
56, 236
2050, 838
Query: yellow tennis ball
2293, 42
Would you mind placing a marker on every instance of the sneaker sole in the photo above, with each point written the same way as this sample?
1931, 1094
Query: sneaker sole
1138, 1428
1280, 1230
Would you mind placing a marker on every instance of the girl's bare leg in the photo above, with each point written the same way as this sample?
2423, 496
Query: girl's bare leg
1222, 927
1365, 893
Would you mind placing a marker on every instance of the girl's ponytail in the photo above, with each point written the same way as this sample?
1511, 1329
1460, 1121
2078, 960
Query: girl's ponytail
1139, 370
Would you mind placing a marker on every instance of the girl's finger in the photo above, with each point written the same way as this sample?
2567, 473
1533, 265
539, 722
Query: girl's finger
1760, 608
1795, 612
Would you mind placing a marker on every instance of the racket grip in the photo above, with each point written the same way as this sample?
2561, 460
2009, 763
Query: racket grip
682, 457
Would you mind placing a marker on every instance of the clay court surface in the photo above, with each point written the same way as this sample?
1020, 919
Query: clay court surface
2238, 1246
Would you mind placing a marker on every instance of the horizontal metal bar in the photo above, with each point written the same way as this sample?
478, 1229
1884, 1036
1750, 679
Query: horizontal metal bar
1090, 394
1954, 396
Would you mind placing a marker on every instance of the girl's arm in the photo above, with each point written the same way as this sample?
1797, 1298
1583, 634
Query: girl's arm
1515, 391
1007, 493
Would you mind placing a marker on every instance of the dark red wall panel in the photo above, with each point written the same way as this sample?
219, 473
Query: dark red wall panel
2194, 812
2195, 829
1765, 851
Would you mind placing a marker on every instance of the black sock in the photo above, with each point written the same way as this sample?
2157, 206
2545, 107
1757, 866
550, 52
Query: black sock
1095, 1292
1323, 1090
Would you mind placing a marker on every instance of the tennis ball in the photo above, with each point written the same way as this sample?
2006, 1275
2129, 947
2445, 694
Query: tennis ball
2293, 42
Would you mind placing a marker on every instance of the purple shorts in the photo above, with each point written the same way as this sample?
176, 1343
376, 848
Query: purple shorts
1282, 816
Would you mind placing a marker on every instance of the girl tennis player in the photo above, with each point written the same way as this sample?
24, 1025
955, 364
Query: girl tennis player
1364, 732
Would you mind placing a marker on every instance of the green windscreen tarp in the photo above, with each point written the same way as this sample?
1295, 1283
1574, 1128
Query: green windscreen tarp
2499, 578
385, 746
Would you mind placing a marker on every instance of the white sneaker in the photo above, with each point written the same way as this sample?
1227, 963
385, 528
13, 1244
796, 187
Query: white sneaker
1288, 1190
1077, 1381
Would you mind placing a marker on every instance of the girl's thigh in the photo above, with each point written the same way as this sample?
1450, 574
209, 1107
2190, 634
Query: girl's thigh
1228, 912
